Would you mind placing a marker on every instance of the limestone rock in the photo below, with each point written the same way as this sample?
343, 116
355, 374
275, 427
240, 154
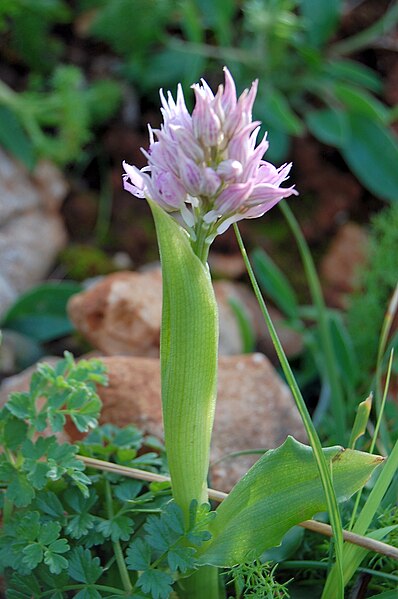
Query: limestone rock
31, 228
121, 314
255, 409
340, 264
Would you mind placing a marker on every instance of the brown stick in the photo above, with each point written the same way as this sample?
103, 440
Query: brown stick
320, 527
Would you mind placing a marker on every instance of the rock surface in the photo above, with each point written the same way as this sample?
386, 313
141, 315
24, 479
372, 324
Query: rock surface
254, 409
31, 228
339, 267
121, 314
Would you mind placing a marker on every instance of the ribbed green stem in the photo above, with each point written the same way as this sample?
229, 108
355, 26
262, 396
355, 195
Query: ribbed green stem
323, 468
188, 355
336, 391
203, 584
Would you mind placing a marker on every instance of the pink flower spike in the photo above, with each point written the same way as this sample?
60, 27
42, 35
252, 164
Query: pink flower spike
228, 98
134, 180
208, 166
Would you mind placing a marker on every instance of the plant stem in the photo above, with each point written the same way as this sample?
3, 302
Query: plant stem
202, 584
337, 403
124, 575
323, 467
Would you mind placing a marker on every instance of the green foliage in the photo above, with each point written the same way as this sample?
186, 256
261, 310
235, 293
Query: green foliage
306, 78
282, 489
168, 542
377, 282
56, 120
61, 524
257, 580
40, 313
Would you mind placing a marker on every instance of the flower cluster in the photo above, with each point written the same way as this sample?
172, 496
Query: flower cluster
206, 165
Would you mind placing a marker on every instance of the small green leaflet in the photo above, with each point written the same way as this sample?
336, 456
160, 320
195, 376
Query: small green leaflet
83, 567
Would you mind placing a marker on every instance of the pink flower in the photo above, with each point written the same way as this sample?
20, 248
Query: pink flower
207, 166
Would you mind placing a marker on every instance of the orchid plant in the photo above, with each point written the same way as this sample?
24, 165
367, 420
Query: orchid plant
205, 173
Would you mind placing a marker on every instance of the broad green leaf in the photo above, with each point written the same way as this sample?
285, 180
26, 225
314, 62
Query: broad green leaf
83, 567
41, 312
361, 421
281, 490
321, 19
274, 283
14, 139
355, 72
371, 151
358, 101
188, 355
328, 125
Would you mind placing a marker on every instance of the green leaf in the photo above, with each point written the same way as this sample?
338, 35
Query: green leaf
83, 567
20, 491
32, 555
128, 489
23, 587
54, 561
181, 558
15, 431
49, 533
355, 72
48, 503
281, 490
188, 359
358, 101
14, 139
118, 528
361, 421
41, 312
328, 125
21, 405
138, 555
156, 583
321, 18
274, 283
28, 527
371, 151
79, 525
